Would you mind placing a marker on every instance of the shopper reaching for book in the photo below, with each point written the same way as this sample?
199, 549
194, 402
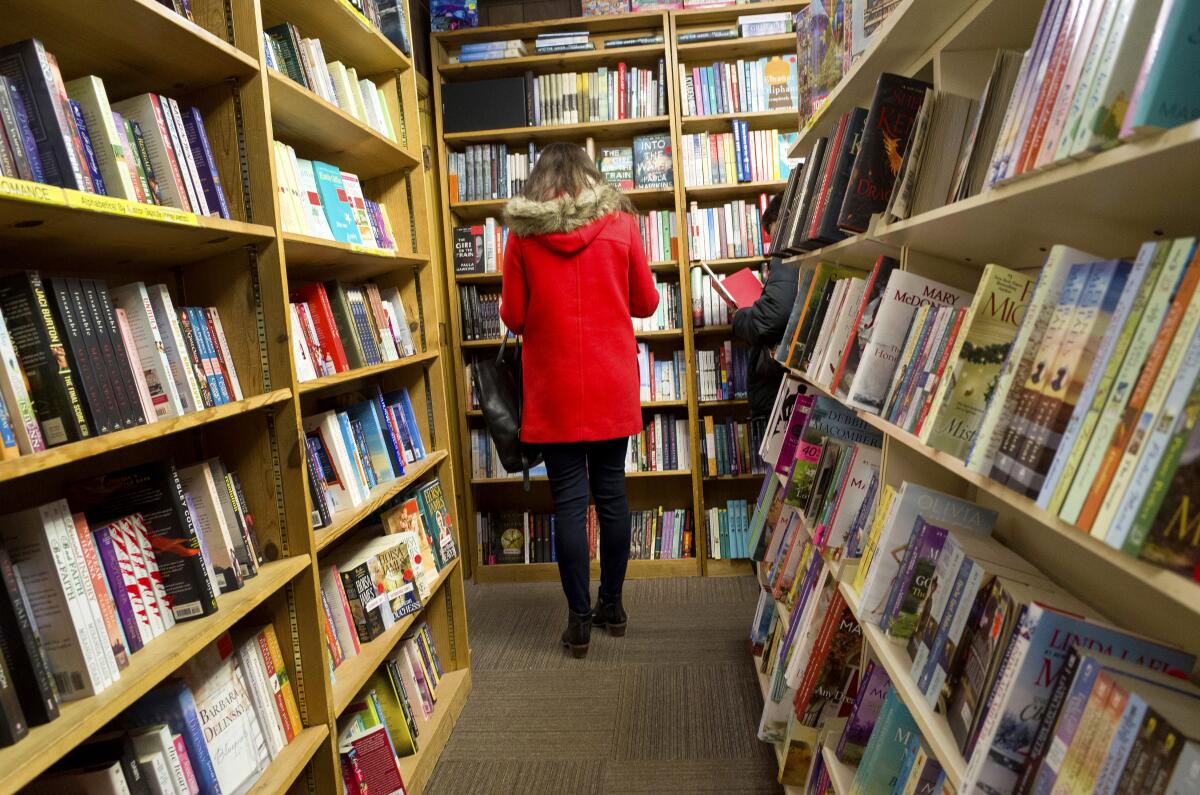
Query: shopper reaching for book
575, 273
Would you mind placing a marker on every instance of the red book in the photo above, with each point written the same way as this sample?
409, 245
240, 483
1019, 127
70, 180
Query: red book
322, 318
816, 659
739, 290
622, 111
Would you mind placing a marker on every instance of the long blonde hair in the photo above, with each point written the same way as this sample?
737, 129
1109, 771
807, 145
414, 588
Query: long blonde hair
565, 169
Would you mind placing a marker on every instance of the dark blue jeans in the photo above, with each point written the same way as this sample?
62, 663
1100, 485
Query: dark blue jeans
571, 468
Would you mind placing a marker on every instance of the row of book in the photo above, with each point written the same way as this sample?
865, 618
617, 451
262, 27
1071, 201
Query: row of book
320, 200
480, 313
78, 359
743, 155
729, 446
662, 446
660, 235
732, 230
303, 61
485, 461
741, 86
481, 172
353, 449
90, 580
480, 248
383, 723
721, 373
829, 38
647, 165
389, 17
529, 537
213, 728
338, 327
661, 378
669, 313
146, 148
728, 529
707, 307
981, 626
607, 94
606, 7
401, 558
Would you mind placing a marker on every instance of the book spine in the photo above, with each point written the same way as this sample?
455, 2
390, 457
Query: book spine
27, 661
360, 592
291, 712
210, 177
194, 359
86, 148
116, 362
140, 157
99, 405
118, 589
220, 349
68, 403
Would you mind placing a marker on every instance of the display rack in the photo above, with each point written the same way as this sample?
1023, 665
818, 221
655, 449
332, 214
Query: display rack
243, 266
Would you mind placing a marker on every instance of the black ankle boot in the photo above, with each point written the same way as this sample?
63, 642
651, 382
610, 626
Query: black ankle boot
578, 633
609, 613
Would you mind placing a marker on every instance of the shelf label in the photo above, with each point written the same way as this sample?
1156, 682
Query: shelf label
24, 190
358, 248
113, 205
94, 202
154, 212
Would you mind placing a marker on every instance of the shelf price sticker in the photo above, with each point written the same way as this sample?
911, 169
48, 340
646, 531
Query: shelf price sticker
35, 192
359, 248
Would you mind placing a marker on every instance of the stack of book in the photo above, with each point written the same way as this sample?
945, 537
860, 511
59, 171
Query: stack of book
729, 446
721, 374
480, 248
382, 725
607, 94
480, 313
661, 379
668, 315
352, 450
729, 231
78, 359
728, 529
303, 61
491, 51
489, 171
338, 327
662, 446
147, 148
660, 234
563, 41
320, 200
739, 86
214, 728
743, 155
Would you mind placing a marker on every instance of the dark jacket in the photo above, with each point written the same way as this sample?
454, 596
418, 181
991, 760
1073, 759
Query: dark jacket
761, 327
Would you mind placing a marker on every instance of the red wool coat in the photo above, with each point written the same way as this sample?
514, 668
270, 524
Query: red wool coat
575, 272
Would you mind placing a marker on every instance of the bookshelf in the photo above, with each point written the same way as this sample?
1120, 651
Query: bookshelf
244, 266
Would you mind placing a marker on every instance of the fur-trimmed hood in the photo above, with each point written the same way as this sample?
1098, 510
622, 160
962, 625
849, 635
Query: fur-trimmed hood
526, 217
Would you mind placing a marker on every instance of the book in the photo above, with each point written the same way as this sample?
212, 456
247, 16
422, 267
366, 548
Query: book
174, 705
1159, 100
28, 67
652, 161
860, 726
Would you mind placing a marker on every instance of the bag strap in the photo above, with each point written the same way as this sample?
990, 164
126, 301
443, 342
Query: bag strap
520, 385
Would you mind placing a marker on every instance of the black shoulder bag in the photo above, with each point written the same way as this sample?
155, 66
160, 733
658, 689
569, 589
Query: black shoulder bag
498, 385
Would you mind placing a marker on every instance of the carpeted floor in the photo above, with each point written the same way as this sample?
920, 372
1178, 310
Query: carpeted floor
670, 708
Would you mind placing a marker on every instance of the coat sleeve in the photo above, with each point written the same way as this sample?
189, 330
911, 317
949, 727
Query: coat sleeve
643, 296
764, 322
514, 290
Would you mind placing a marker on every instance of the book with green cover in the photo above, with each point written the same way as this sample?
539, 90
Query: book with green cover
991, 324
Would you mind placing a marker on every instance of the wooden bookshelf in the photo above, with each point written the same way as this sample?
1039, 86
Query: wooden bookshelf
244, 266
841, 775
685, 488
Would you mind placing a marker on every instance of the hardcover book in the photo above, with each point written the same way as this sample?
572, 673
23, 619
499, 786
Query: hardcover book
468, 249
652, 166
616, 164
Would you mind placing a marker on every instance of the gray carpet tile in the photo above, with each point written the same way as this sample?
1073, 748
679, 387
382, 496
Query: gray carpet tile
670, 708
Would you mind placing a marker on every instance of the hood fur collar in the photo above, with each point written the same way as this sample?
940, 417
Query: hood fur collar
526, 217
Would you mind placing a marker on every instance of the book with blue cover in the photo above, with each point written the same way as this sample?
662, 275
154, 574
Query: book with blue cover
336, 203
895, 734
1166, 93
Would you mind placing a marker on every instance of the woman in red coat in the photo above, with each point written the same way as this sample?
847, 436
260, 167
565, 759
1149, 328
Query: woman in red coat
575, 272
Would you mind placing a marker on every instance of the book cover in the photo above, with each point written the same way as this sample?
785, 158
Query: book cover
174, 705
336, 203
652, 161
27, 65
894, 108
22, 650
895, 734
1160, 100
616, 164
860, 724
468, 249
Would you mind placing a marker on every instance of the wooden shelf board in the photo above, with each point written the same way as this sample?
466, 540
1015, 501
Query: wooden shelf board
80, 719
344, 33
899, 42
322, 131
665, 334
353, 673
46, 224
1077, 203
841, 775
742, 190
516, 480
316, 258
287, 767
606, 130
665, 266
934, 728
719, 330
452, 693
717, 567
580, 61
363, 373
651, 22
479, 209
731, 403
745, 476
78, 451
700, 52
731, 265
783, 120
346, 521
489, 343
548, 572
702, 16
479, 278
857, 251
174, 56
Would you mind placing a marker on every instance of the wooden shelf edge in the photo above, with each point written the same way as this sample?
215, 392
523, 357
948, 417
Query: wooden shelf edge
335, 247
362, 373
98, 445
352, 674
287, 767
160, 658
347, 521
